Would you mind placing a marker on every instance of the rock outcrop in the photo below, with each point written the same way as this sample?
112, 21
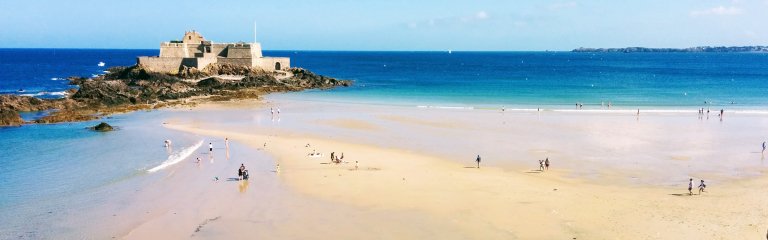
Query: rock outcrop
102, 127
10, 117
132, 88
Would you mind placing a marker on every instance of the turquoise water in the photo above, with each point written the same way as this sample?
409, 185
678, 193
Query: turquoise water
51, 170
544, 79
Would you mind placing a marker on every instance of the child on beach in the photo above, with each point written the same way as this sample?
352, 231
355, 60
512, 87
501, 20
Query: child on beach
702, 186
541, 165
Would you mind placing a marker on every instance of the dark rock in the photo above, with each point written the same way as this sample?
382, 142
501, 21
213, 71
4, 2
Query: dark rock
10, 117
102, 127
105, 92
77, 80
133, 88
76, 115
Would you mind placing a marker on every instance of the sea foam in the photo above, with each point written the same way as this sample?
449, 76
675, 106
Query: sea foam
177, 157
59, 94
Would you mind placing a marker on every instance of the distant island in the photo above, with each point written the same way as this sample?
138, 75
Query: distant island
691, 49
187, 72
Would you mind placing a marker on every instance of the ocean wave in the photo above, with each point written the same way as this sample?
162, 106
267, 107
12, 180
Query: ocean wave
59, 94
177, 157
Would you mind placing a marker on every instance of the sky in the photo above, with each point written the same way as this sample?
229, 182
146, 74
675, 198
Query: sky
470, 25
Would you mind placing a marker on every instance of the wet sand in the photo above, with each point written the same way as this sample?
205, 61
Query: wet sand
614, 176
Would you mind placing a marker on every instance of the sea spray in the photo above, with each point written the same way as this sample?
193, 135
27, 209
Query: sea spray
177, 157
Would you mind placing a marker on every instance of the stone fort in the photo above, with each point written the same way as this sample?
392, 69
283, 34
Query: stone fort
194, 51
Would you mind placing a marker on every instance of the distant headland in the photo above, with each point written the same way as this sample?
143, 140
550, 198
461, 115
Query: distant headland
691, 49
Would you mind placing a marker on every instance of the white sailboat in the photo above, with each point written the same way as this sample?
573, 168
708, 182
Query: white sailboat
101, 64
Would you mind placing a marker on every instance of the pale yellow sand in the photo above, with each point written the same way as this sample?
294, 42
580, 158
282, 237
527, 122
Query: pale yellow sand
400, 193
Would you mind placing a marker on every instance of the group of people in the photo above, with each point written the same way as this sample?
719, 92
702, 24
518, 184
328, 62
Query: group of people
335, 158
544, 164
272, 112
242, 173
702, 186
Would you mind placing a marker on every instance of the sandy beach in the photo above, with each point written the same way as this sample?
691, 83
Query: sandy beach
613, 175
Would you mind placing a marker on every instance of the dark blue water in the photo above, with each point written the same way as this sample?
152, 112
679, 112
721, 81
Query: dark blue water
43, 72
528, 79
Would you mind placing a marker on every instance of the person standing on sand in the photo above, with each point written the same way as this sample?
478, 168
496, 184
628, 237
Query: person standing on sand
763, 146
702, 186
210, 147
546, 163
690, 187
478, 161
541, 165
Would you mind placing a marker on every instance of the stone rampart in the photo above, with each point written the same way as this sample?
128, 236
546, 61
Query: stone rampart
164, 64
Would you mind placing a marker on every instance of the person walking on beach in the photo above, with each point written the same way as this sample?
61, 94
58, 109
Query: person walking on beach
478, 161
702, 186
210, 147
690, 187
763, 146
278, 112
272, 112
541, 165
546, 163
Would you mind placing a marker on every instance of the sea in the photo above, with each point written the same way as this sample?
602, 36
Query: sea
50, 170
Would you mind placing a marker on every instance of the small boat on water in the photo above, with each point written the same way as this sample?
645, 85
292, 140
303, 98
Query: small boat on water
101, 64
21, 90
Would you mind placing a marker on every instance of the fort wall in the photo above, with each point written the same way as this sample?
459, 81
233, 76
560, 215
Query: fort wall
271, 63
237, 61
164, 64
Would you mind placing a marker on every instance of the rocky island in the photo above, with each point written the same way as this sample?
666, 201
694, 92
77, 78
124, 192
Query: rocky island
190, 72
691, 49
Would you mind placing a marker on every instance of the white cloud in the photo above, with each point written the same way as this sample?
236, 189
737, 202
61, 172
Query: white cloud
481, 15
719, 10
562, 5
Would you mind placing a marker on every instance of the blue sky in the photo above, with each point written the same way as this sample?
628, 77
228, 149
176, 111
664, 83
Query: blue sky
387, 24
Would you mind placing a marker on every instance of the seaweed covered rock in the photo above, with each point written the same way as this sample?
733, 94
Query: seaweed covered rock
106, 92
67, 115
10, 117
102, 127
306, 79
